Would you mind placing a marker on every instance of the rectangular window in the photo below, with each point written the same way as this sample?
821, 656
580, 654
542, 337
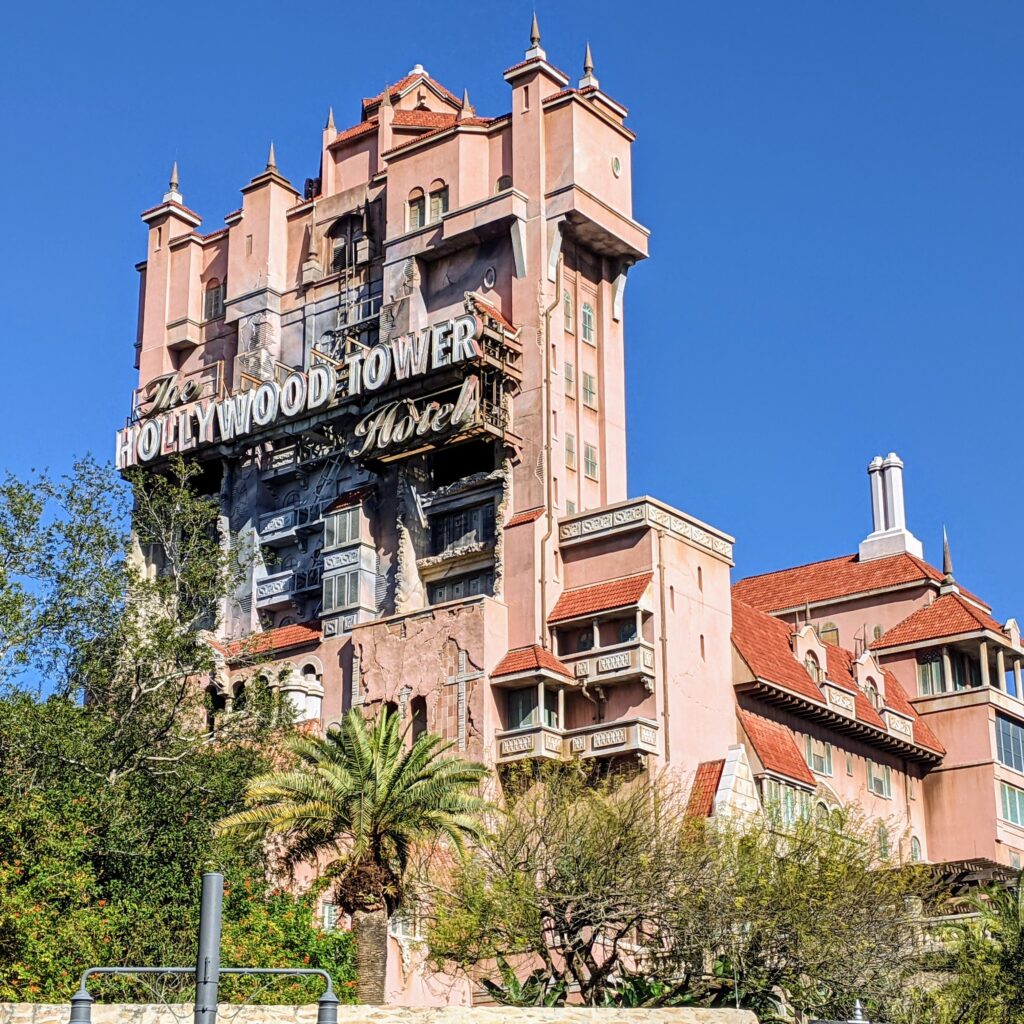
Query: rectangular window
1013, 804
849, 763
464, 526
1010, 743
213, 306
570, 380
438, 204
417, 213
819, 756
341, 590
590, 461
461, 586
588, 327
570, 451
522, 708
341, 527
329, 916
929, 674
879, 779
589, 390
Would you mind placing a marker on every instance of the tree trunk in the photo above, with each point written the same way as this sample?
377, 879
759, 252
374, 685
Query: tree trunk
371, 934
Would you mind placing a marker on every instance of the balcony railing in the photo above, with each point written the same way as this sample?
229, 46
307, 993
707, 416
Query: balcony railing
280, 526
608, 739
275, 591
621, 663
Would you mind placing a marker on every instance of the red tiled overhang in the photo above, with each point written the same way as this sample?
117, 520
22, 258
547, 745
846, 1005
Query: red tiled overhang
600, 597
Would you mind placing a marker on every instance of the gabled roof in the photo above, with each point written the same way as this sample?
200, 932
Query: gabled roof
272, 640
529, 659
600, 597
363, 128
705, 784
775, 748
833, 578
950, 615
765, 644
401, 87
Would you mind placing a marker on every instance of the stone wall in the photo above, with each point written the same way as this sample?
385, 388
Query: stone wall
113, 1013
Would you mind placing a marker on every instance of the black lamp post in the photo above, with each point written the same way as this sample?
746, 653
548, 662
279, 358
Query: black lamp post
207, 970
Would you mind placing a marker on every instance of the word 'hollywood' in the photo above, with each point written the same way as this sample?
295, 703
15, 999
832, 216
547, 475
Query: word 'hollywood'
177, 422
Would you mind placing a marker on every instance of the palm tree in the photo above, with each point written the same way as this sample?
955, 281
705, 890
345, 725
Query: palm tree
360, 800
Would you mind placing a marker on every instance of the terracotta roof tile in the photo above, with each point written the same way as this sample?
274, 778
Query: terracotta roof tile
469, 122
529, 659
534, 60
529, 516
423, 119
363, 128
776, 748
273, 640
832, 578
599, 597
948, 616
493, 311
172, 203
702, 793
764, 644
400, 87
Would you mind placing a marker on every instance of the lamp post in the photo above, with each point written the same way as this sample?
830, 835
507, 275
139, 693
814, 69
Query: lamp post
207, 969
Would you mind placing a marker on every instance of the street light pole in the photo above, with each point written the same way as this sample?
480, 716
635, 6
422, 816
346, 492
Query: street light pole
208, 955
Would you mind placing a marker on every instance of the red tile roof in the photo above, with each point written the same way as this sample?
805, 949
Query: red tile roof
832, 578
273, 640
401, 86
705, 785
529, 516
950, 615
171, 203
529, 659
764, 644
599, 597
493, 311
423, 119
468, 122
363, 128
776, 748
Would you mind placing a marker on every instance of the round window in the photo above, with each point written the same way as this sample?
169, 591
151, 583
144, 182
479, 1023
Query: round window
616, 166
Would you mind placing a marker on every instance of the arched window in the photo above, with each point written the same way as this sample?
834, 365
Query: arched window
812, 666
883, 842
418, 707
829, 634
567, 312
587, 324
821, 812
338, 239
915, 849
213, 300
872, 693
416, 208
504, 183
438, 201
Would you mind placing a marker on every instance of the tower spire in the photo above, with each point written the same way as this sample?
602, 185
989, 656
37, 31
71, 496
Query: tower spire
535, 50
466, 110
589, 79
948, 580
330, 120
271, 158
173, 193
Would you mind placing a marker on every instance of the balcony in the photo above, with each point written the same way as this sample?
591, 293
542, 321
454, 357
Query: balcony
607, 739
275, 591
622, 663
279, 528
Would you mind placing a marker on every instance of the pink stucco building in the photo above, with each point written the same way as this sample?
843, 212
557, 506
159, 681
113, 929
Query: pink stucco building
405, 381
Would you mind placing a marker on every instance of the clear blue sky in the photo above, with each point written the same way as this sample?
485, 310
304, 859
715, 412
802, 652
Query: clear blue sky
835, 192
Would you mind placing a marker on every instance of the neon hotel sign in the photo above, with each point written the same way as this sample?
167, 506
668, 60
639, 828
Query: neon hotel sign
176, 420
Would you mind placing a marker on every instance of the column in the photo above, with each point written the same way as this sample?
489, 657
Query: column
1016, 679
540, 702
597, 634
947, 671
561, 707
983, 654
1000, 669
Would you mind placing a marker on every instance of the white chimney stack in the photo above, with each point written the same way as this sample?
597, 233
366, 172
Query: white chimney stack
889, 534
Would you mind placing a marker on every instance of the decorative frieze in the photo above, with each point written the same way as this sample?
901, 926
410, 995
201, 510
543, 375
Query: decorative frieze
899, 724
839, 699
341, 559
608, 738
646, 513
517, 745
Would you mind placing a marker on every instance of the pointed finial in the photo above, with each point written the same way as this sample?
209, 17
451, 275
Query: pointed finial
330, 120
858, 1012
271, 158
947, 557
807, 612
173, 193
466, 110
589, 79
535, 32
386, 101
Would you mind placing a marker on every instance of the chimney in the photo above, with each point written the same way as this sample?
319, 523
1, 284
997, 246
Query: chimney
889, 534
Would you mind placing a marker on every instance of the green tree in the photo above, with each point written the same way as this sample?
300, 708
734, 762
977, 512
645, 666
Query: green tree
110, 778
608, 888
359, 802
